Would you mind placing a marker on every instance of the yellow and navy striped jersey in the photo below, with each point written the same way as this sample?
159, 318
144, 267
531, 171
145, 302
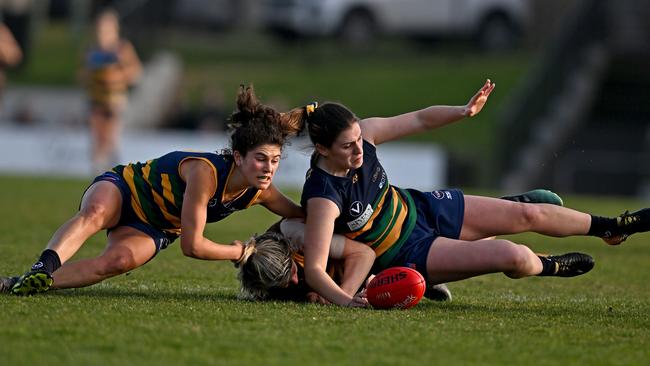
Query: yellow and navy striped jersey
157, 189
106, 85
371, 210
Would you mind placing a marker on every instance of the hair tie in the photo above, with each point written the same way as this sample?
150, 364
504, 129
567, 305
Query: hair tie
311, 107
249, 249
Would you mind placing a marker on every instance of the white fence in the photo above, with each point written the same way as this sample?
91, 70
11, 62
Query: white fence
46, 151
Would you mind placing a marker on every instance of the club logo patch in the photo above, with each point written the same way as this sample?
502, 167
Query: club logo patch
438, 194
360, 221
355, 208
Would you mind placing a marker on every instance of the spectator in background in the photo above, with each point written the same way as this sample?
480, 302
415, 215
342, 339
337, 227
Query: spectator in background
10, 53
17, 16
111, 66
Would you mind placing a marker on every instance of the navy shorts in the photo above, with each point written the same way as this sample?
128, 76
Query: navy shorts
439, 213
129, 218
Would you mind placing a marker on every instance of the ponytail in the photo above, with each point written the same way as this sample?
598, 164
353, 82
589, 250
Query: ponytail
295, 121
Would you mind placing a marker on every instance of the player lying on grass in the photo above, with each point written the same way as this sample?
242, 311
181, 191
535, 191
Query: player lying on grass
438, 233
145, 206
272, 267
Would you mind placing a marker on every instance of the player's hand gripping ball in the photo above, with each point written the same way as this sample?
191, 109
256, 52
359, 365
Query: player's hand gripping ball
396, 288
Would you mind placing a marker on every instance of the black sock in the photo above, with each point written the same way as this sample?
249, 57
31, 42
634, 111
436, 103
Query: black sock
603, 227
549, 267
48, 261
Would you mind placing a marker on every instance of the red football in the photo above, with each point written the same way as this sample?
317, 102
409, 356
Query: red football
396, 288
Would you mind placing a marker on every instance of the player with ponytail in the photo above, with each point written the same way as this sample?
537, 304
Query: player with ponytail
440, 233
145, 206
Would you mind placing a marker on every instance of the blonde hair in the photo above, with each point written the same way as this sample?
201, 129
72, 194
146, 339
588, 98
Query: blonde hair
265, 264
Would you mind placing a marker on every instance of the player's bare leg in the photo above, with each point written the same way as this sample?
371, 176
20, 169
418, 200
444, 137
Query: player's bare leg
127, 249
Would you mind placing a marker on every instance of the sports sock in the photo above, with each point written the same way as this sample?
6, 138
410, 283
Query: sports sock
49, 261
549, 267
603, 226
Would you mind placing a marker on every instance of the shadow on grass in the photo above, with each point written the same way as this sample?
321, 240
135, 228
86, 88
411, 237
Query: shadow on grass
157, 294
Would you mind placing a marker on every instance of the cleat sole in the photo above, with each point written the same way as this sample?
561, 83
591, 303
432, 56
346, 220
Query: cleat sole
32, 283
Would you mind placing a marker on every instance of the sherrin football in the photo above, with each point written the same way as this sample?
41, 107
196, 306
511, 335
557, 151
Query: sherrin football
396, 288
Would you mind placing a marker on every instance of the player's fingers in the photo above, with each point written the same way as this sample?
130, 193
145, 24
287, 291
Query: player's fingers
369, 279
491, 88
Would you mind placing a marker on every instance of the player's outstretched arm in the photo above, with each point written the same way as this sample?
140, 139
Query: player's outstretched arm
379, 130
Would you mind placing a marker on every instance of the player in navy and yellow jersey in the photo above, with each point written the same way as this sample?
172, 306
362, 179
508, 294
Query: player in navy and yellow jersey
146, 206
439, 233
157, 189
111, 66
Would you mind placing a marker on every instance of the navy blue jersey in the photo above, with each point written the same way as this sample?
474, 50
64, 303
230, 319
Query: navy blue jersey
157, 189
371, 210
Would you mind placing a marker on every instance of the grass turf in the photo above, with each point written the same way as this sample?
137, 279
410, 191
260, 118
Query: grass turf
181, 311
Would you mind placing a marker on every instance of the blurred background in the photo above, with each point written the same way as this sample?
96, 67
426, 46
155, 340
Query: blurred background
571, 111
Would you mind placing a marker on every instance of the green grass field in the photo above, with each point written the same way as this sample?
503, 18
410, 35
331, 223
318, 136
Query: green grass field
181, 311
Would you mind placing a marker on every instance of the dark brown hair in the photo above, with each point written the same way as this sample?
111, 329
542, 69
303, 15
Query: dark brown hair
254, 124
324, 123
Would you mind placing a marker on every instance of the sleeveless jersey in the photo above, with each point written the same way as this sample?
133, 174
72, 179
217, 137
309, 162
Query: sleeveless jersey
371, 210
157, 189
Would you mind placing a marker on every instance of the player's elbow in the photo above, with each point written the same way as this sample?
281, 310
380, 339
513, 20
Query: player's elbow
191, 248
363, 253
191, 252
312, 273
366, 252
369, 257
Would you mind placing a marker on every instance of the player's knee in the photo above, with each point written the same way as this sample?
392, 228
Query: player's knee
517, 260
118, 263
93, 214
531, 215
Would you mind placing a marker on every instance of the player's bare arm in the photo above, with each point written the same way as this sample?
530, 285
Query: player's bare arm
201, 185
380, 130
278, 203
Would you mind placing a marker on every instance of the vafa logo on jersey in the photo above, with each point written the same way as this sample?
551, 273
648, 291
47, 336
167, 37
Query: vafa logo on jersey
358, 223
355, 208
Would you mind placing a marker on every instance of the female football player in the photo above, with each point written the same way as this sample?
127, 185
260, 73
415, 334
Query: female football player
110, 68
272, 266
438, 233
145, 206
